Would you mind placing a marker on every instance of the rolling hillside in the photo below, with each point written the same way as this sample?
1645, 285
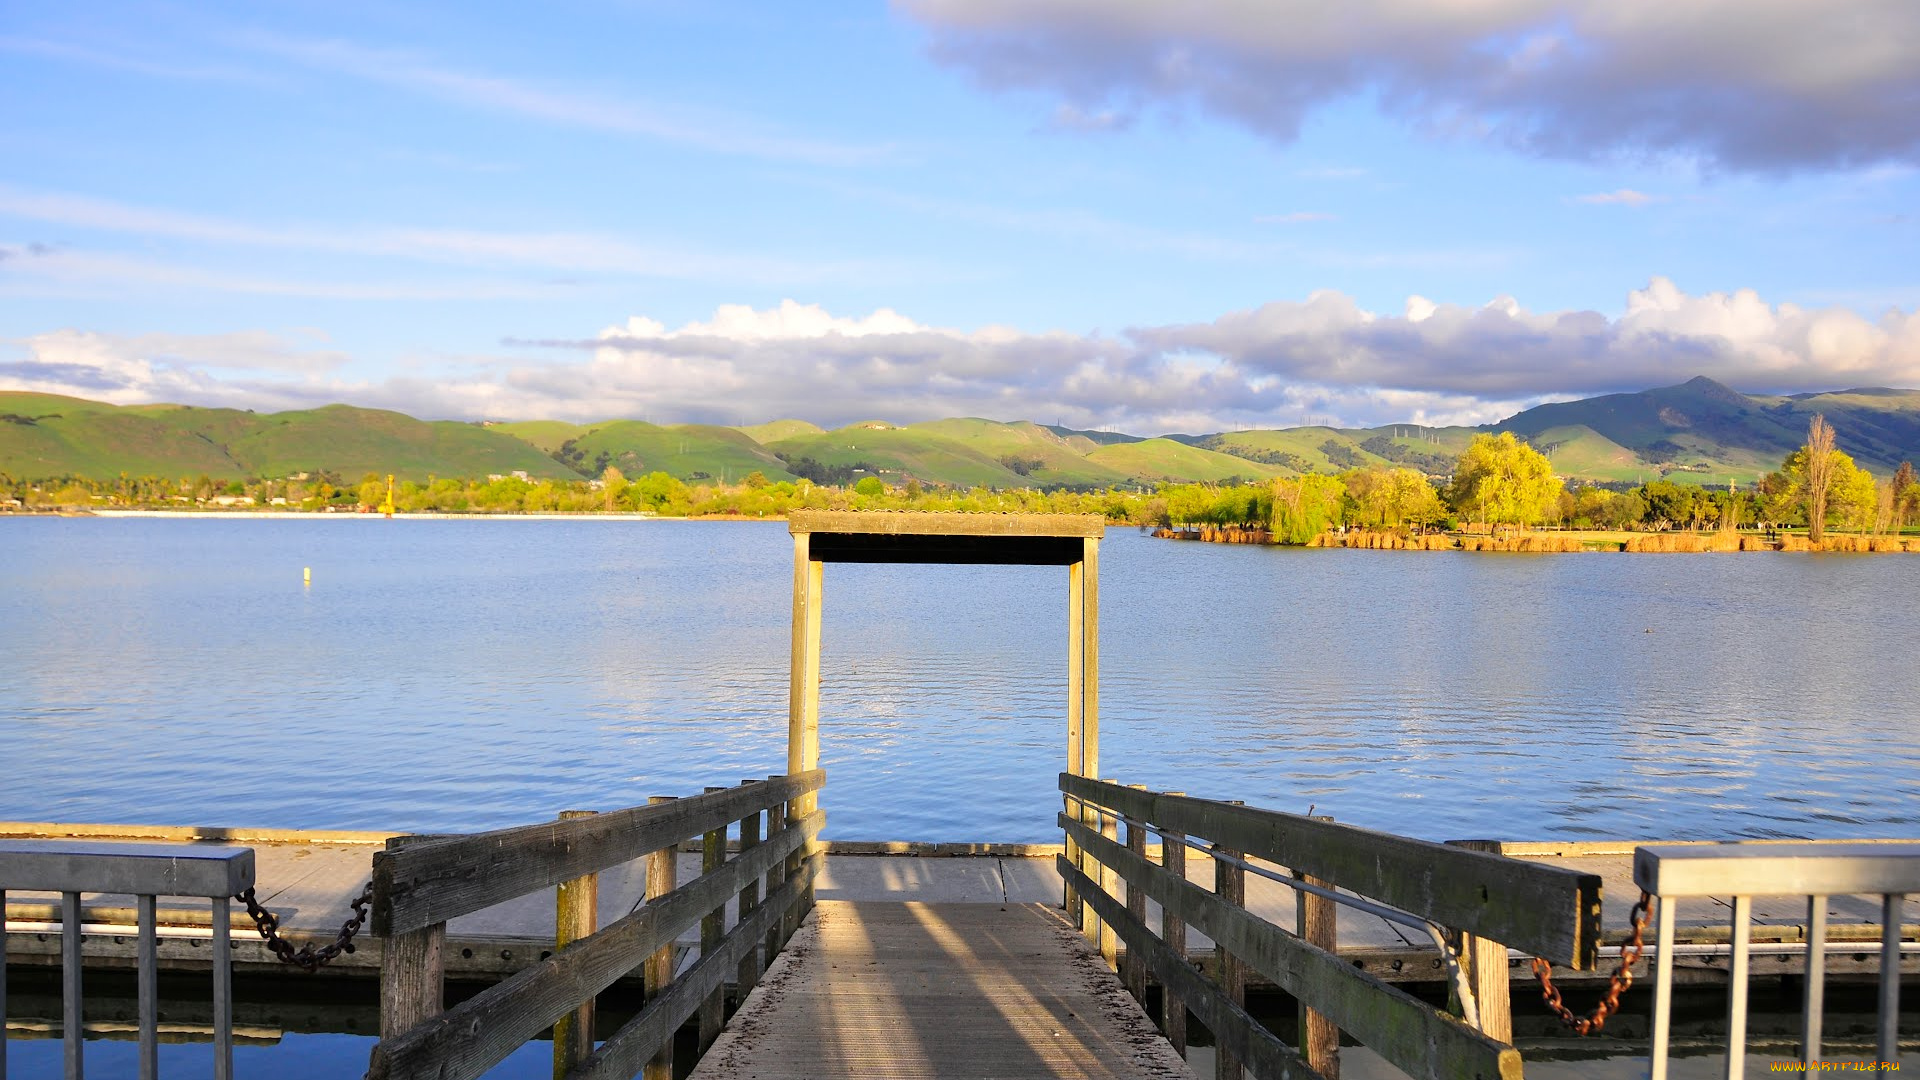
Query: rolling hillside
1703, 432
46, 436
1698, 432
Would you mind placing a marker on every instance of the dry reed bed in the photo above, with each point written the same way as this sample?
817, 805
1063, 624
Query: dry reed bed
1683, 542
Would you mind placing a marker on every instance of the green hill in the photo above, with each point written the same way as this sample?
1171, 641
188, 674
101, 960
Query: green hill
1165, 459
1703, 432
688, 451
1697, 432
1037, 453
779, 429
898, 454
46, 436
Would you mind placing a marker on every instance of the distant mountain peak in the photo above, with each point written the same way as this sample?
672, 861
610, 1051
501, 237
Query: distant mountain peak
1708, 388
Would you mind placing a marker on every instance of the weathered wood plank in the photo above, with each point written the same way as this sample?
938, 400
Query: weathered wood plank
897, 523
1405, 1031
1229, 889
626, 1050
576, 916
411, 979
420, 884
1234, 1030
1173, 931
478, 1033
1315, 916
750, 965
1546, 910
939, 991
713, 928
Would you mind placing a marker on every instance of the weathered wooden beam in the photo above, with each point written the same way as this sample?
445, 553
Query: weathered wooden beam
576, 916
663, 872
473, 1036
1134, 972
411, 979
1546, 910
1230, 890
1407, 1032
1234, 1030
1173, 931
750, 966
895, 523
713, 928
419, 884
1316, 918
655, 1024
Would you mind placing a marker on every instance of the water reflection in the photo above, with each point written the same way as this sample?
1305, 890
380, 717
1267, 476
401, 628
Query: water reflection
469, 674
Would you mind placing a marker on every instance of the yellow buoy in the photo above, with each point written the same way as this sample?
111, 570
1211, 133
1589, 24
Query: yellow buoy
306, 576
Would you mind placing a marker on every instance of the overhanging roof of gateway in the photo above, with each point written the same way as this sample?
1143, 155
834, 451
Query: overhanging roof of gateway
865, 536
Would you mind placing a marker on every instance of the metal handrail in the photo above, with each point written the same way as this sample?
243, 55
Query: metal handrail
148, 871
1743, 871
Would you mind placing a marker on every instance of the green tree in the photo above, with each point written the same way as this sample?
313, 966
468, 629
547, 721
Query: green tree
1503, 481
869, 486
1845, 492
1816, 478
1906, 495
613, 484
1306, 506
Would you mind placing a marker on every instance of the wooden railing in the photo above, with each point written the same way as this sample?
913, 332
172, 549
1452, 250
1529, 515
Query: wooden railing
1478, 903
421, 883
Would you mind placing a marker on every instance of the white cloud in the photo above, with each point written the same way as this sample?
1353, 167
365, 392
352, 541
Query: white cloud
1745, 84
254, 367
1622, 197
1326, 356
709, 130
579, 253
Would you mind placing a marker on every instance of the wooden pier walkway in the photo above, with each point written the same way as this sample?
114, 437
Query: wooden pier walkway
906, 991
307, 878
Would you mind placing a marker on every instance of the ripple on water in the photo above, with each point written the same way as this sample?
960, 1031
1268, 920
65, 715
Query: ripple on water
473, 674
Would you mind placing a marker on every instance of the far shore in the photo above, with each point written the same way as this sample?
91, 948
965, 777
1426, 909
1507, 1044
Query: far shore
1552, 541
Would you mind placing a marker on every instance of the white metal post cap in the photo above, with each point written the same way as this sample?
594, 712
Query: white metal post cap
1775, 869
150, 869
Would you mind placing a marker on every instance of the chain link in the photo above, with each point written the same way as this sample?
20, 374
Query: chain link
307, 958
1616, 986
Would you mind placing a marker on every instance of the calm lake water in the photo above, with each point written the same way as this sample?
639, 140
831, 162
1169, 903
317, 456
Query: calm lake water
465, 674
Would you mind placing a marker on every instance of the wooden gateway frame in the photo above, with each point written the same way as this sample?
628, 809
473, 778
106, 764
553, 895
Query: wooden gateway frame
1069, 540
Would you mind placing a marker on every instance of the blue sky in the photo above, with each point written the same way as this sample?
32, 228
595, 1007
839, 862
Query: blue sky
1136, 215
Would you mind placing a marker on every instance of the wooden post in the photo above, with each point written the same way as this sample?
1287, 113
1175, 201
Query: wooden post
1315, 915
781, 929
410, 979
662, 877
1173, 930
1230, 885
1135, 973
1107, 942
713, 929
1090, 666
576, 914
1488, 978
749, 973
803, 694
1487, 971
1076, 660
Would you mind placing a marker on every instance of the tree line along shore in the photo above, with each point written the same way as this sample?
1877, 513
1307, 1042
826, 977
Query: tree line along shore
1500, 495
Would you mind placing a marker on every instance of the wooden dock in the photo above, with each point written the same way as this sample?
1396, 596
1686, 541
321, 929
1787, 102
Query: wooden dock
919, 991
308, 879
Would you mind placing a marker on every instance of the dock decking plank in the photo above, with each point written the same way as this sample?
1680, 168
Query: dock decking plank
917, 990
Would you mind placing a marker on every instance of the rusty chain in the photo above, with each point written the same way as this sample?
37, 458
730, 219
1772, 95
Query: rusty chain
1616, 986
307, 958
